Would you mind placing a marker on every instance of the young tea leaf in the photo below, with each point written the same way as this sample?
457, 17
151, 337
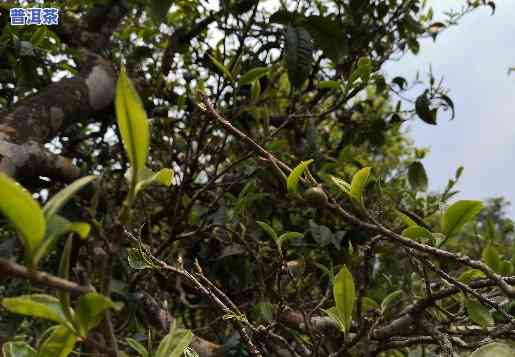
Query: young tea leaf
91, 308
292, 184
18, 349
252, 75
227, 74
59, 343
133, 123
479, 313
60, 198
23, 212
147, 177
174, 344
138, 347
417, 176
344, 293
359, 181
36, 305
458, 214
332, 312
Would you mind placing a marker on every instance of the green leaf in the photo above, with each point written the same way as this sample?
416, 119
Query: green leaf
342, 185
329, 84
494, 349
344, 294
491, 258
18, 349
458, 214
147, 177
415, 232
132, 122
288, 236
268, 230
479, 313
158, 10
222, 68
282, 17
57, 227
406, 219
417, 176
60, 198
357, 186
188, 352
23, 212
390, 300
137, 261
332, 312
91, 308
299, 55
60, 343
423, 110
174, 344
327, 35
369, 304
36, 305
255, 90
363, 70
138, 347
64, 272
253, 74
470, 275
292, 183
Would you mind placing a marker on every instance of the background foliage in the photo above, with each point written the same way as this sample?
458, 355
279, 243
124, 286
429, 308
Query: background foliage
247, 188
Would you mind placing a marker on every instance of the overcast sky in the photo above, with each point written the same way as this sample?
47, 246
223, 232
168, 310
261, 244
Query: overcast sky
473, 58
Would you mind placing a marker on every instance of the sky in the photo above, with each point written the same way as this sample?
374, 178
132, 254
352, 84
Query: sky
473, 59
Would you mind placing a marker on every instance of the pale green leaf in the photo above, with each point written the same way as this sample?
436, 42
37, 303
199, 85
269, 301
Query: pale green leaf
479, 313
342, 185
288, 236
137, 260
252, 75
292, 184
491, 257
344, 293
91, 308
57, 227
18, 349
332, 312
222, 68
494, 349
458, 214
138, 347
390, 300
174, 344
268, 230
59, 343
359, 181
60, 198
36, 305
470, 275
132, 122
417, 232
369, 304
64, 272
147, 177
406, 219
23, 212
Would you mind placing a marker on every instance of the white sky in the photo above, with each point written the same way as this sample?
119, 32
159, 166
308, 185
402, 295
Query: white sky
473, 58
